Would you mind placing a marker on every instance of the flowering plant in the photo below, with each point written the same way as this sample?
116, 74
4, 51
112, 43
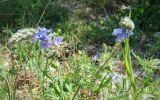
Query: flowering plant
123, 34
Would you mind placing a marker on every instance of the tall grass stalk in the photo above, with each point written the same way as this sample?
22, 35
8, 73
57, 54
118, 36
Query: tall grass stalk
8, 88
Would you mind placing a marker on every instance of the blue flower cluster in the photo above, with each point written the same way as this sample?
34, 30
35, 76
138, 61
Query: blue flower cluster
45, 41
122, 33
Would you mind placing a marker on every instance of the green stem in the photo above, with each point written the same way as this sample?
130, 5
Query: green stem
8, 88
130, 13
128, 65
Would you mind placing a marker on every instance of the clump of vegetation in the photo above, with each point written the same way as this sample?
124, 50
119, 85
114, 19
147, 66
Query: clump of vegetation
88, 50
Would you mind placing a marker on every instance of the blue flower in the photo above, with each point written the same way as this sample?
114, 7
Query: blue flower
121, 33
95, 57
57, 40
41, 34
45, 39
115, 77
45, 44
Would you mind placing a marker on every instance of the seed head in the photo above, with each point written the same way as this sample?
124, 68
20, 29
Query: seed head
127, 23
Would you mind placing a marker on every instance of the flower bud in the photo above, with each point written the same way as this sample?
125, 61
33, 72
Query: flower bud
127, 23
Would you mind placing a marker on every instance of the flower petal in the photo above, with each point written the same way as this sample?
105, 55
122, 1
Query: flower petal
121, 34
58, 40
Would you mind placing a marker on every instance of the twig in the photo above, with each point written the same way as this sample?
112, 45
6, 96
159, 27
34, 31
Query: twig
113, 53
43, 13
101, 67
76, 93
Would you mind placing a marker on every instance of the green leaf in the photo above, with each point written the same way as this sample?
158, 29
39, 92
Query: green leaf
105, 81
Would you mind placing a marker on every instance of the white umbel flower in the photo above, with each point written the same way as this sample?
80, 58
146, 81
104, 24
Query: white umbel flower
21, 35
